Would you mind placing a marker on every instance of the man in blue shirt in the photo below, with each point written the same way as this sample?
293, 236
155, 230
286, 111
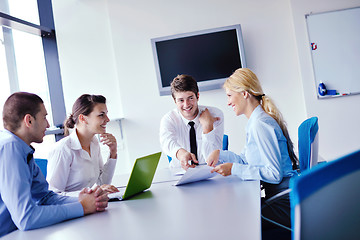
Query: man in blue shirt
25, 201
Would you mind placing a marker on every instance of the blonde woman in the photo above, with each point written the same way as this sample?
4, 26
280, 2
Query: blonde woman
268, 155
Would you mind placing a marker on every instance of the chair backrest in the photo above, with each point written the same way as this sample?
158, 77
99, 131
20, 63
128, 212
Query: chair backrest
42, 163
225, 142
308, 143
325, 200
225, 145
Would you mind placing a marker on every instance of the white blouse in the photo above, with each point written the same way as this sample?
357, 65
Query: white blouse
70, 168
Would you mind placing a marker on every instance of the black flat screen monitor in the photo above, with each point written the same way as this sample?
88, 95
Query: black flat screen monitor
210, 56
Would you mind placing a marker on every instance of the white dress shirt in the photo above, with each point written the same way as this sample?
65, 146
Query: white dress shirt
265, 156
174, 134
71, 168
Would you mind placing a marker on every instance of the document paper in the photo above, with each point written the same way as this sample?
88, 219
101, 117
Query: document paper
198, 173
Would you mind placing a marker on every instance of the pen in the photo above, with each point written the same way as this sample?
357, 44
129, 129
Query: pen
190, 162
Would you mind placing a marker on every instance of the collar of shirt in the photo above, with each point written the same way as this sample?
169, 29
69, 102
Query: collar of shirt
75, 142
195, 120
27, 150
254, 115
30, 154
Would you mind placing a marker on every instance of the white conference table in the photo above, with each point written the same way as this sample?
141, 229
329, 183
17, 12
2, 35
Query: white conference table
218, 208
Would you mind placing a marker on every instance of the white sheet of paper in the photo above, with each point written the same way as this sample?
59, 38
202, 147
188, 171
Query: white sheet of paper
198, 173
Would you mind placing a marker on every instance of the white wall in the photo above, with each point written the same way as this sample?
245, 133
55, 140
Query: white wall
269, 48
338, 117
86, 56
110, 40
87, 60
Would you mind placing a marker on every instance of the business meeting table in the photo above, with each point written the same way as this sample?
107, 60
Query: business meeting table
217, 208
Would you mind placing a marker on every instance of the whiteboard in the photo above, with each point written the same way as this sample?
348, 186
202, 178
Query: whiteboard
335, 49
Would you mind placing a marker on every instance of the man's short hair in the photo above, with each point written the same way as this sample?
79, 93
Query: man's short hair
17, 106
184, 83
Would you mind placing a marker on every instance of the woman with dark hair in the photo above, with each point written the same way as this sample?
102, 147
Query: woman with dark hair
75, 161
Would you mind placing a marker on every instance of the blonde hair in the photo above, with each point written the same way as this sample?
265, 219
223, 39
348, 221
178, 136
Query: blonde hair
243, 79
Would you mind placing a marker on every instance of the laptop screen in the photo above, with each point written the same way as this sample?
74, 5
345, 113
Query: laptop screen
142, 174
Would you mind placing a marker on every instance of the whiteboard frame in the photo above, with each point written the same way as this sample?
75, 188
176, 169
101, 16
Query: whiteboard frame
317, 81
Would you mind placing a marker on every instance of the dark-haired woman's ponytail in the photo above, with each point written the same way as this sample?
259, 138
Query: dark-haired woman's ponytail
69, 124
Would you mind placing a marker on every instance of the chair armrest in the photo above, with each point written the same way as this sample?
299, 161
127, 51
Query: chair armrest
278, 196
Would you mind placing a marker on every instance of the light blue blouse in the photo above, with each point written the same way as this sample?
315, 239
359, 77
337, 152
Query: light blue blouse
265, 156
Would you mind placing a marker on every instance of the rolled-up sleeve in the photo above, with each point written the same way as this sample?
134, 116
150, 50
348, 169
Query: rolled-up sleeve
213, 140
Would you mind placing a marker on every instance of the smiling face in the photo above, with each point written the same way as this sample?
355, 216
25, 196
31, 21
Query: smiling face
237, 101
97, 119
187, 104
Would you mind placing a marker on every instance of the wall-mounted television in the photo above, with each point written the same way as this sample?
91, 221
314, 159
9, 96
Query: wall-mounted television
210, 56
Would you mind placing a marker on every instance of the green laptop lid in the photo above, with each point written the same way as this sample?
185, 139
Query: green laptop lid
142, 174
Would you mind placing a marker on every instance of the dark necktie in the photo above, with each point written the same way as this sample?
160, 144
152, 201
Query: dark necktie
193, 147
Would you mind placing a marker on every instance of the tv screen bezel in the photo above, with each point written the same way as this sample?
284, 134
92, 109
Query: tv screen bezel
203, 85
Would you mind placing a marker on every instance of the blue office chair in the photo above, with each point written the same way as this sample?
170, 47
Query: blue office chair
225, 142
324, 202
308, 143
42, 163
225, 145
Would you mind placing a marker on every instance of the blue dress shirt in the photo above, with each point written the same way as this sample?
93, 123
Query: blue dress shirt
25, 201
265, 156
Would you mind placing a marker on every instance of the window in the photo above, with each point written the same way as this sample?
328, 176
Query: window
4, 81
29, 60
26, 10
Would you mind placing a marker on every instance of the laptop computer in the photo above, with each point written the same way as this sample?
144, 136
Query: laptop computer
140, 179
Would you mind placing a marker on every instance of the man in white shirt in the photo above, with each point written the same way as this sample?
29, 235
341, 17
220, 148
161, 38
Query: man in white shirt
175, 126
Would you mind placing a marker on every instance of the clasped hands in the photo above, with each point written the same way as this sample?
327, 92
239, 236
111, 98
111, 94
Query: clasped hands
93, 200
